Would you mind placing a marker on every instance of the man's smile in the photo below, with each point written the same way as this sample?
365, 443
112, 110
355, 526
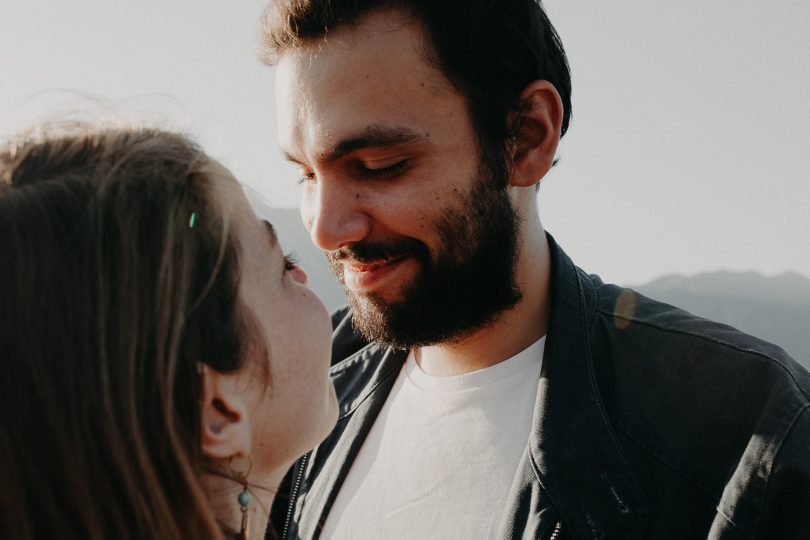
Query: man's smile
366, 276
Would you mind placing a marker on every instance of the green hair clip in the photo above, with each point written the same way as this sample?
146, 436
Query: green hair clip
192, 220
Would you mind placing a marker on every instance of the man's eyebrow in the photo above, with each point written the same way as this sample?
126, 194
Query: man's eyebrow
271, 233
374, 136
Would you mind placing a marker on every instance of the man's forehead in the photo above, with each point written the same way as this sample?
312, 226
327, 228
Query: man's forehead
319, 126
355, 81
383, 38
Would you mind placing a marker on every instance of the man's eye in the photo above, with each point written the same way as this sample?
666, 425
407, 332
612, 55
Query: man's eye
385, 172
290, 262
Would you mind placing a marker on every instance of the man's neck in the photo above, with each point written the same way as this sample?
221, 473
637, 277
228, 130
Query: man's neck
513, 330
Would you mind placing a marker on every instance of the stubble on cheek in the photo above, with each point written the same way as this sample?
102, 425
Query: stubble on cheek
336, 266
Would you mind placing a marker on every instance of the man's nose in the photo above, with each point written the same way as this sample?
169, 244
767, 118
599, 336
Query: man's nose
334, 214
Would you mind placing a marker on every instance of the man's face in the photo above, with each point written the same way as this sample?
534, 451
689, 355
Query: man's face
394, 191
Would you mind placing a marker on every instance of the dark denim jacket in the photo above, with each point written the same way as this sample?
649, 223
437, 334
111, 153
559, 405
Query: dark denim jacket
650, 423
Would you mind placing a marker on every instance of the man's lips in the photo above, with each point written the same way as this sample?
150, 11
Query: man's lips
357, 266
367, 275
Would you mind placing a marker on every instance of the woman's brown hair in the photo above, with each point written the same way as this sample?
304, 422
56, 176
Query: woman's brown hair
117, 277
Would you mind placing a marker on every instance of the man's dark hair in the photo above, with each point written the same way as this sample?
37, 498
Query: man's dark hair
489, 50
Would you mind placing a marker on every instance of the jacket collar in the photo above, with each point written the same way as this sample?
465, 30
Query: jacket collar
574, 450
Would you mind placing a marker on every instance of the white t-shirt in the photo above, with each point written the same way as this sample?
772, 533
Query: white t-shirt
441, 456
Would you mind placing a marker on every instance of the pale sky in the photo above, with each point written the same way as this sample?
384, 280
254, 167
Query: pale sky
689, 149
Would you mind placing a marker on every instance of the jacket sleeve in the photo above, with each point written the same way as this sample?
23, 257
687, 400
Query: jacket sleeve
786, 513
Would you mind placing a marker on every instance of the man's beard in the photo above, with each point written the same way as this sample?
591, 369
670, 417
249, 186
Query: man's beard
463, 287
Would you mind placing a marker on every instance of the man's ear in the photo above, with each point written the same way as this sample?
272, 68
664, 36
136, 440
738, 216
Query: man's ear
224, 416
539, 121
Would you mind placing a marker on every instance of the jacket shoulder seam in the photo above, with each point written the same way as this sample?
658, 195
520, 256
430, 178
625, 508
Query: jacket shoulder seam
715, 341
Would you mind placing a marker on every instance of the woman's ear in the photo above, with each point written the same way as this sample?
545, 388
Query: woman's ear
539, 121
224, 416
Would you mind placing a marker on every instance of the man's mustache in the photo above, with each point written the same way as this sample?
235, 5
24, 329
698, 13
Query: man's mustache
370, 252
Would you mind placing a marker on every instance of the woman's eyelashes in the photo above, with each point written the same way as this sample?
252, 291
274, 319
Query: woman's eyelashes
290, 262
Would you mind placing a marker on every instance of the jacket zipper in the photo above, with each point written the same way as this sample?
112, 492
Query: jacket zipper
293, 495
556, 534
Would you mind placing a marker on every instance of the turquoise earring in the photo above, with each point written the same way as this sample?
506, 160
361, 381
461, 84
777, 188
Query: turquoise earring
244, 498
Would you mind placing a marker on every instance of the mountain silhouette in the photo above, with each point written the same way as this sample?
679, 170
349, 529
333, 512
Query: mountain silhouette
776, 309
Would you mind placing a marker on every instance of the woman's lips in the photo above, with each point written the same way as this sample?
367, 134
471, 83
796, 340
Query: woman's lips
366, 276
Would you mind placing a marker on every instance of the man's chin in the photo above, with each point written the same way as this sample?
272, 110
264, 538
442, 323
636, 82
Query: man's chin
372, 304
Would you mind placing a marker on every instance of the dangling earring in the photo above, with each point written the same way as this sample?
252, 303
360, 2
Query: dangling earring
244, 498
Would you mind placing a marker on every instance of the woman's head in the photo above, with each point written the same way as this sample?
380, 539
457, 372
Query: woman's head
133, 349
